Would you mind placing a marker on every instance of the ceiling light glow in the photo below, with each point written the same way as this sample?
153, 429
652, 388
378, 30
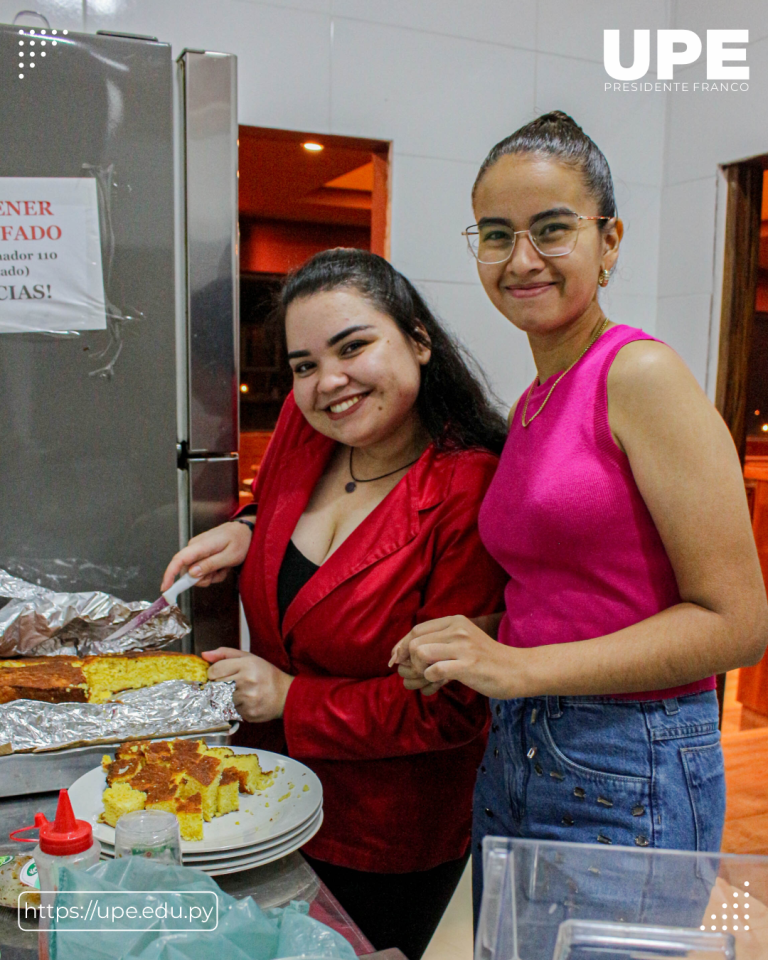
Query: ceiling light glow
313, 147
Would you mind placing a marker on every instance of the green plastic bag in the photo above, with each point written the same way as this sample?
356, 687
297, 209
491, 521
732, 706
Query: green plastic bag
144, 910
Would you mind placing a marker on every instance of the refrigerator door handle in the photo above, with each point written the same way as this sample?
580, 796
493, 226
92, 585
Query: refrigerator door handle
210, 338
209, 90
212, 489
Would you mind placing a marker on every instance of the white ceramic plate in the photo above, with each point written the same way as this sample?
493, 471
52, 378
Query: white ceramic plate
220, 868
268, 815
217, 867
254, 850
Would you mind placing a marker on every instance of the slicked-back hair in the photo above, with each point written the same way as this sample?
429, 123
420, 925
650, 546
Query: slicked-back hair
557, 135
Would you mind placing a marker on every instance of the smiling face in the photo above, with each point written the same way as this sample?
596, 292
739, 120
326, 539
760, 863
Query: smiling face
356, 376
541, 294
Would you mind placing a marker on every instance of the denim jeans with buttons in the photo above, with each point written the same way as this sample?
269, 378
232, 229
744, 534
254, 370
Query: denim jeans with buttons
595, 770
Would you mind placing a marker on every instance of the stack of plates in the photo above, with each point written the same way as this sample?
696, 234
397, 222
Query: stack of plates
269, 825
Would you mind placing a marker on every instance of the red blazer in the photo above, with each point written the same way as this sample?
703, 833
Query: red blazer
397, 768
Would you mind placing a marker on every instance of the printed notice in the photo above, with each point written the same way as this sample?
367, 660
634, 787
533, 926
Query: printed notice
50, 255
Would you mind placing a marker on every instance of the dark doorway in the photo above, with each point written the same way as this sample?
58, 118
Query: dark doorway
742, 386
300, 193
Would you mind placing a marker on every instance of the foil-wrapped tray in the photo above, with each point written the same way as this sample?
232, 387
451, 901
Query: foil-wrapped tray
44, 744
175, 705
39, 622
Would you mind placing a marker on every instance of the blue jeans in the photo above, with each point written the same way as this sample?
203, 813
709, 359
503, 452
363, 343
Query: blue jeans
595, 770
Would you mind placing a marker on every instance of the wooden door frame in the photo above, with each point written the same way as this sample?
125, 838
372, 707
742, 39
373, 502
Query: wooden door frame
381, 203
737, 311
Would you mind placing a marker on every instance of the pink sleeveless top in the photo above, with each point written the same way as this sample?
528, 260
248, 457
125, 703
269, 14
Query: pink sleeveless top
564, 518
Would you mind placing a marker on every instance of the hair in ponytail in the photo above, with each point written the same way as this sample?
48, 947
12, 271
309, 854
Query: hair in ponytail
557, 135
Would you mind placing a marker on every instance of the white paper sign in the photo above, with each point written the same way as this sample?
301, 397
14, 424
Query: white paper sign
50, 255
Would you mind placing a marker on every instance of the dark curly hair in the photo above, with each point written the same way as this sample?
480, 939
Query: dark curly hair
453, 401
557, 135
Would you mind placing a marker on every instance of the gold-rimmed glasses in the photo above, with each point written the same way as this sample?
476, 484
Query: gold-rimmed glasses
555, 235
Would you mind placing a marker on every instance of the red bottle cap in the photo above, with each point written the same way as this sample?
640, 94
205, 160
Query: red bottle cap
65, 835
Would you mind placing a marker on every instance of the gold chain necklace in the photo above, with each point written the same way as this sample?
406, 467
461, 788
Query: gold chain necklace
592, 339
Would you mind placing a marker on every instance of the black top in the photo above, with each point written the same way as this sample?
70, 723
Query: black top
295, 571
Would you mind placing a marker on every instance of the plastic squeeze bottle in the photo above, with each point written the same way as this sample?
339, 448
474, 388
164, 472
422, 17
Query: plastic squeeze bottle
65, 842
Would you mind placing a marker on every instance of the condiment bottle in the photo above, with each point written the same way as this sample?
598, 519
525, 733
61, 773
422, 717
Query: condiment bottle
65, 842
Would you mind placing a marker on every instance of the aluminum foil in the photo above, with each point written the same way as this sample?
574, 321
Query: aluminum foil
39, 622
166, 709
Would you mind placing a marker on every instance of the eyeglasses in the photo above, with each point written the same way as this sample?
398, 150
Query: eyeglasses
493, 241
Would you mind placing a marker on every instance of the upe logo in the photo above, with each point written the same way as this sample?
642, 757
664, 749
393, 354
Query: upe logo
677, 48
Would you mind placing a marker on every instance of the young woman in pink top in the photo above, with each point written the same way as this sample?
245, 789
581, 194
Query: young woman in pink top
619, 514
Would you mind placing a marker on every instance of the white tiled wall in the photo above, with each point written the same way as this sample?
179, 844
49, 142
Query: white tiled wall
444, 80
62, 14
430, 207
576, 29
434, 96
688, 237
683, 323
701, 15
494, 21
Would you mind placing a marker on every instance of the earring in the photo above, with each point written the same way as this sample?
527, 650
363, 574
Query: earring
604, 277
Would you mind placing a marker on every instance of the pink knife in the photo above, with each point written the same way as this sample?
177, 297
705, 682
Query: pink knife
166, 600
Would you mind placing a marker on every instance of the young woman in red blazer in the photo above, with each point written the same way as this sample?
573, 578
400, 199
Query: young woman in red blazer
366, 524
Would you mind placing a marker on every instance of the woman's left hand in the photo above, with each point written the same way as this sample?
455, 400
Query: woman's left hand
413, 679
455, 648
260, 688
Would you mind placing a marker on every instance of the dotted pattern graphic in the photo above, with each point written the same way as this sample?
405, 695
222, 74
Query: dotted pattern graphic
743, 905
33, 46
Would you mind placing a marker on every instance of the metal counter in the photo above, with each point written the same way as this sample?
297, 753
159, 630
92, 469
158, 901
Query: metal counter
273, 885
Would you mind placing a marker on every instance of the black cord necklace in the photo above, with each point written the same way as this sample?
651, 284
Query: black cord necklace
352, 485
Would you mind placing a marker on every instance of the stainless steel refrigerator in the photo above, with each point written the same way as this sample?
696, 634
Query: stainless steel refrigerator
118, 444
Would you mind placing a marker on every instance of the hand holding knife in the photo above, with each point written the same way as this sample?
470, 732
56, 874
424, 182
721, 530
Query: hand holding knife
167, 599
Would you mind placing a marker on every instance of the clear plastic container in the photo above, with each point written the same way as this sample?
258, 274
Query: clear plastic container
544, 900
585, 939
153, 834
